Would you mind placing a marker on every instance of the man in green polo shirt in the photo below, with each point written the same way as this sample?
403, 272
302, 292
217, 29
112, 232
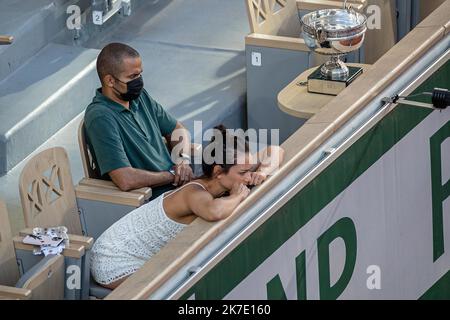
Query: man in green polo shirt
125, 128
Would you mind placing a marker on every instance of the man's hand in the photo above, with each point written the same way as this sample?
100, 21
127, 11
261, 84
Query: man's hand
257, 178
183, 173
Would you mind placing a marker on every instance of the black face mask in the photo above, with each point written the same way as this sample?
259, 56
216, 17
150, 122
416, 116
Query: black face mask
134, 89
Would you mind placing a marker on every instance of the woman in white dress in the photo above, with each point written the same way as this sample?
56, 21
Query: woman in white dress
130, 242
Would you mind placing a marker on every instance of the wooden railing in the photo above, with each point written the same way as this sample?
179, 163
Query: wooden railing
6, 40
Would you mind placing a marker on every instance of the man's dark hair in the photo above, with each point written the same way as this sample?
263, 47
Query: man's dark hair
111, 58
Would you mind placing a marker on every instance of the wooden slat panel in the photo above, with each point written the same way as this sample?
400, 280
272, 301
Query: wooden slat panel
47, 192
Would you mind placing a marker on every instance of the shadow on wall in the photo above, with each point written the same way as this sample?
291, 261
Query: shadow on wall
53, 63
213, 104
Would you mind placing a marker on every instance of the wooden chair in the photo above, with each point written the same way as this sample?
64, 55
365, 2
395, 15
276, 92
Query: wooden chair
311, 5
44, 281
47, 192
49, 198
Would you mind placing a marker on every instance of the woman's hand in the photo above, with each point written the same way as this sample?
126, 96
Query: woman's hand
183, 174
257, 178
240, 190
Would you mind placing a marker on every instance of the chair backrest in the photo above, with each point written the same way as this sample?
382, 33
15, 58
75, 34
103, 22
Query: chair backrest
47, 192
274, 17
87, 159
9, 273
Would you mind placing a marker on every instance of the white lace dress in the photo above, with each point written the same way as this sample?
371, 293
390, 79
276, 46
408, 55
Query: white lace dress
130, 242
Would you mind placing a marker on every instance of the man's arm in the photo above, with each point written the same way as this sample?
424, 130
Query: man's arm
179, 140
112, 159
129, 178
180, 144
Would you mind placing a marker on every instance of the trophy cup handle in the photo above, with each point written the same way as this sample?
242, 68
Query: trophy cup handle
321, 35
345, 4
349, 8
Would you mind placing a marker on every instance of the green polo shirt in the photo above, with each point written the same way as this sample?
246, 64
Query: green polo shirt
122, 138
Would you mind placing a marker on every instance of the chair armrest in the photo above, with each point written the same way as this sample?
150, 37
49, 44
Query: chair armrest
96, 193
312, 5
87, 242
73, 250
146, 192
6, 40
14, 293
278, 42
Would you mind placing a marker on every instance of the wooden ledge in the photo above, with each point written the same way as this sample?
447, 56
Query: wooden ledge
146, 192
87, 242
296, 101
109, 195
74, 250
6, 40
13, 293
277, 42
311, 5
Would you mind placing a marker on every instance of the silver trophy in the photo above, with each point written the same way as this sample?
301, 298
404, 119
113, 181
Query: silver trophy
334, 32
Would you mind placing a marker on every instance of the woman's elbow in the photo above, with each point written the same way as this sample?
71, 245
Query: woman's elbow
214, 213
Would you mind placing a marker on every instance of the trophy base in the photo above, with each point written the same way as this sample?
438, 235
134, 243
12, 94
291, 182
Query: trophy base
317, 83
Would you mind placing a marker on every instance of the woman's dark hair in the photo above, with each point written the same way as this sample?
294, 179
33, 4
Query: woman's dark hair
230, 144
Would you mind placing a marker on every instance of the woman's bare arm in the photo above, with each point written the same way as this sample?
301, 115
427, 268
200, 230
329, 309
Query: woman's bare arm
202, 203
